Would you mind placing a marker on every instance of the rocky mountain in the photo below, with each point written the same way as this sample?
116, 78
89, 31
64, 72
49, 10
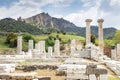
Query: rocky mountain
46, 21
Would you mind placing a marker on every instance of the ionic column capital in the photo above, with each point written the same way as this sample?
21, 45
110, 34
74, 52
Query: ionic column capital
88, 20
100, 20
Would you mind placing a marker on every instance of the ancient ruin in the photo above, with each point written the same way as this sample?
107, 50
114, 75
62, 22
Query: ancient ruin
82, 63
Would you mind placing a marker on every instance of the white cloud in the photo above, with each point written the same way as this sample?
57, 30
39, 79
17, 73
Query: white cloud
79, 17
91, 13
115, 2
27, 8
57, 15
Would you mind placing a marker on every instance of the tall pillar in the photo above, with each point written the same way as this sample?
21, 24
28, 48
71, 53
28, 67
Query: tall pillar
100, 34
19, 45
88, 31
73, 46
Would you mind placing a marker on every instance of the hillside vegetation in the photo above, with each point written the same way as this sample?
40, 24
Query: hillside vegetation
11, 25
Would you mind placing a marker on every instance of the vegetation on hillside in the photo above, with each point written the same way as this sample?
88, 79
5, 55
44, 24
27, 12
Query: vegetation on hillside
11, 25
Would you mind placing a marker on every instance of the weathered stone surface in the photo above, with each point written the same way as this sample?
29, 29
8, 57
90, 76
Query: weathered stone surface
92, 77
92, 69
91, 66
103, 77
96, 71
29, 68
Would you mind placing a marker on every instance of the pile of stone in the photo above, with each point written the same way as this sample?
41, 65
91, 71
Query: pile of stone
28, 68
96, 73
18, 76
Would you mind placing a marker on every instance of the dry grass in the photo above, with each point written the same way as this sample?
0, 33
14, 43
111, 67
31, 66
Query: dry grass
50, 73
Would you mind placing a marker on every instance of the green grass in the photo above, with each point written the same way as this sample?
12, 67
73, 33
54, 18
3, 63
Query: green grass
64, 38
2, 43
113, 78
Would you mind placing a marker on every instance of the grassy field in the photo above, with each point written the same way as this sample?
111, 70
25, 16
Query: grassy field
64, 38
2, 43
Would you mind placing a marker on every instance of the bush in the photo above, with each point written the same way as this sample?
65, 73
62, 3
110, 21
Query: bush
28, 37
49, 42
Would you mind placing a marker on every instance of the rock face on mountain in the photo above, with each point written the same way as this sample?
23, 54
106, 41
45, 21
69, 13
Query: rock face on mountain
40, 20
45, 20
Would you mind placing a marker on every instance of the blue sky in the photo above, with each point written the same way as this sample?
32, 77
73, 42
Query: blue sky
75, 11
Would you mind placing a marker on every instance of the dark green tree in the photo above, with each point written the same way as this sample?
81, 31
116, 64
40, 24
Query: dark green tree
93, 38
11, 39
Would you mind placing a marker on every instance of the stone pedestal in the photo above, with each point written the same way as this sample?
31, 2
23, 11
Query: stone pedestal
88, 31
100, 34
57, 48
19, 45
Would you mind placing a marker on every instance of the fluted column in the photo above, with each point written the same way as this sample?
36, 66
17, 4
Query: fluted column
100, 34
88, 31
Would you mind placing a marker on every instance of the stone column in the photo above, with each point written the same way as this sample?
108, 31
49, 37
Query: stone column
118, 51
100, 34
50, 50
88, 31
37, 48
57, 47
19, 45
30, 45
73, 46
42, 47
113, 54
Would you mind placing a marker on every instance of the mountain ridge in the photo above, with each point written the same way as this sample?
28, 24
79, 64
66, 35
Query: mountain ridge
44, 19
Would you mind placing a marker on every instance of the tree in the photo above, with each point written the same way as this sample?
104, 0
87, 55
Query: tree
93, 38
28, 37
117, 37
11, 39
